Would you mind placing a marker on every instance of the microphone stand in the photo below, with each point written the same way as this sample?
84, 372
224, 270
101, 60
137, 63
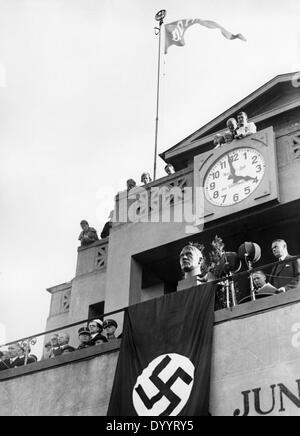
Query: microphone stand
252, 289
227, 288
232, 290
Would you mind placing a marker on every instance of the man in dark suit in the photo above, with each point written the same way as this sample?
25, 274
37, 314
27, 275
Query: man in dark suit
261, 285
286, 274
96, 328
17, 357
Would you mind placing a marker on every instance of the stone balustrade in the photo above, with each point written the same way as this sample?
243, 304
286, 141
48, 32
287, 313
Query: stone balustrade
92, 257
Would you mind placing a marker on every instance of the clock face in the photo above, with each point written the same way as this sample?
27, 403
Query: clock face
234, 176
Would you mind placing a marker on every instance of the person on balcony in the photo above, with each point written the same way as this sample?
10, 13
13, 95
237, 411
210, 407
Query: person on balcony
17, 357
63, 346
54, 346
84, 336
169, 169
4, 356
245, 128
108, 225
96, 328
88, 235
285, 276
218, 140
261, 285
110, 326
232, 126
146, 178
47, 350
130, 183
228, 137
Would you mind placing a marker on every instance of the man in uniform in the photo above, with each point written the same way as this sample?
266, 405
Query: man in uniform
110, 326
84, 336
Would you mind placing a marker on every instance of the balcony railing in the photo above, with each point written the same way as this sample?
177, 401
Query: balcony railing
227, 310
92, 257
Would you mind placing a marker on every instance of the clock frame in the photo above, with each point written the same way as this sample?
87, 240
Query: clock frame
263, 144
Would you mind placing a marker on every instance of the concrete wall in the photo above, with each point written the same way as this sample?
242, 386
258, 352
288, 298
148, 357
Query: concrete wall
59, 309
87, 289
126, 241
151, 292
70, 301
253, 354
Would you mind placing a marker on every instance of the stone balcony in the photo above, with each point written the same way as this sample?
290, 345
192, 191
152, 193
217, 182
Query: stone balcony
92, 257
255, 369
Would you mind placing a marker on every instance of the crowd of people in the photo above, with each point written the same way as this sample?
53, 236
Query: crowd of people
285, 276
95, 333
16, 355
146, 177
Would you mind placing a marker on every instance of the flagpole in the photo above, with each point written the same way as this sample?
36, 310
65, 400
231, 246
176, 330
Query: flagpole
158, 17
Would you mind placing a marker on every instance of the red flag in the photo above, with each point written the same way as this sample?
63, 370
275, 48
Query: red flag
175, 31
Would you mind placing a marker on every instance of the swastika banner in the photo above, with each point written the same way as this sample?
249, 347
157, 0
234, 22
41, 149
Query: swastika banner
165, 357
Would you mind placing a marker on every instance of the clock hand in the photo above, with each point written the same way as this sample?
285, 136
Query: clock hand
232, 171
233, 175
248, 178
237, 179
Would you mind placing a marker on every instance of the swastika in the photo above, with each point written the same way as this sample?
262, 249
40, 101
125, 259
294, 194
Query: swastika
164, 387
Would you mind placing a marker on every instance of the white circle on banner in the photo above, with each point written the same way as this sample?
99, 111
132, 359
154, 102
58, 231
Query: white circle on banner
164, 387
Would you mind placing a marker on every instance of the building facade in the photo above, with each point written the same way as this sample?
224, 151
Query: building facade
256, 349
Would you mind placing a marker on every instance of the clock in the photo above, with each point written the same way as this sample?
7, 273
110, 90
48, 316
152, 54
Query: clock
236, 176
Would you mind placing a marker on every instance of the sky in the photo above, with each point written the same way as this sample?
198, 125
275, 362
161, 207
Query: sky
77, 116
